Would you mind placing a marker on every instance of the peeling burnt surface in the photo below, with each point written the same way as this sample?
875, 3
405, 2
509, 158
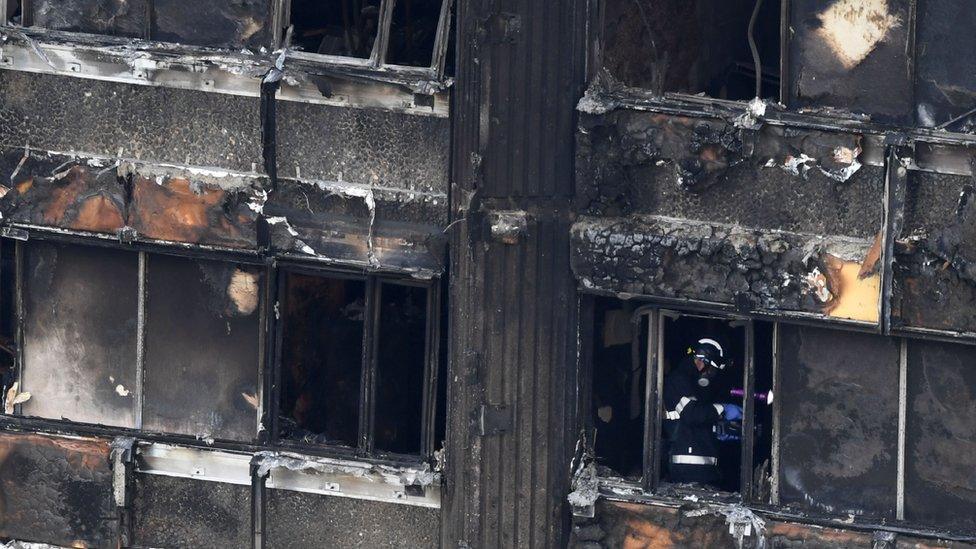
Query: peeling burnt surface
619, 524
362, 146
945, 85
935, 265
80, 306
722, 264
298, 520
359, 225
852, 55
179, 512
156, 124
771, 178
202, 336
125, 18
940, 486
635, 525
76, 195
232, 24
184, 210
56, 490
840, 438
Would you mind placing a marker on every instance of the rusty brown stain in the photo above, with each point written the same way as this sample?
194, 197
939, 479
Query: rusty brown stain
180, 211
25, 185
816, 534
870, 264
73, 199
647, 535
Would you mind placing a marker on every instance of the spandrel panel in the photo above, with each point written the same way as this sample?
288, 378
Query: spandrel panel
940, 446
839, 420
80, 306
202, 347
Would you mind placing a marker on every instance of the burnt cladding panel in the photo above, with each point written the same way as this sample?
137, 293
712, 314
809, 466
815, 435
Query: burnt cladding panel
180, 512
946, 82
854, 55
363, 146
839, 422
202, 345
80, 333
935, 278
940, 450
707, 169
56, 490
126, 18
298, 520
230, 24
150, 123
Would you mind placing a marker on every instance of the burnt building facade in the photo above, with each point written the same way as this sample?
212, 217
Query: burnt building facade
412, 273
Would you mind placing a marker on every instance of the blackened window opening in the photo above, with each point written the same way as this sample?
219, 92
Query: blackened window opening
338, 27
680, 336
321, 359
401, 360
8, 296
413, 32
693, 46
618, 390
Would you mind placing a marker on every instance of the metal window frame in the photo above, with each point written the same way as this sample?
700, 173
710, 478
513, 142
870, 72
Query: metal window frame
365, 447
653, 365
142, 252
378, 55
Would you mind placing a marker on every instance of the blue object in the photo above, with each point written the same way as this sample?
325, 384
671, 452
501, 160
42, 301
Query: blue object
732, 412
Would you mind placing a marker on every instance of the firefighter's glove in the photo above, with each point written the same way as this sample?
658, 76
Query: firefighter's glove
732, 412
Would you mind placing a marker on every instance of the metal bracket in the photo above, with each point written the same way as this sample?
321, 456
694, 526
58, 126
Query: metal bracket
494, 419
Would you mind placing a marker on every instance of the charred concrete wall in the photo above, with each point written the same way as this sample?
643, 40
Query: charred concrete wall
56, 490
705, 209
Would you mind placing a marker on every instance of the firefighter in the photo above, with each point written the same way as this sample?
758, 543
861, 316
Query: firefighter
691, 414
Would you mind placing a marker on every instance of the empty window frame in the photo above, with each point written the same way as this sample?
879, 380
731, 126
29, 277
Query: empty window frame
634, 350
694, 46
357, 363
231, 24
140, 340
406, 33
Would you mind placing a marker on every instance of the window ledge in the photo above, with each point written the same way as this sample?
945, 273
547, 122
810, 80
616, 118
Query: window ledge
308, 78
415, 485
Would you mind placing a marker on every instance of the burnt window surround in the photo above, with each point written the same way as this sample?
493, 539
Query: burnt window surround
138, 340
862, 427
175, 346
371, 33
358, 362
632, 349
413, 35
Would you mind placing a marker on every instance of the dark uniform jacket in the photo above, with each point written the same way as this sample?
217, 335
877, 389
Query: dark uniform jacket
689, 423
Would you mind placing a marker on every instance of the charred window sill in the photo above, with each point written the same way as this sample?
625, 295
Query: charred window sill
325, 80
415, 485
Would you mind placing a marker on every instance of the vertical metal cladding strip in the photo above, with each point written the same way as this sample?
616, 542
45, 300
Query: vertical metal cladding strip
650, 446
748, 414
902, 426
777, 405
896, 182
140, 342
